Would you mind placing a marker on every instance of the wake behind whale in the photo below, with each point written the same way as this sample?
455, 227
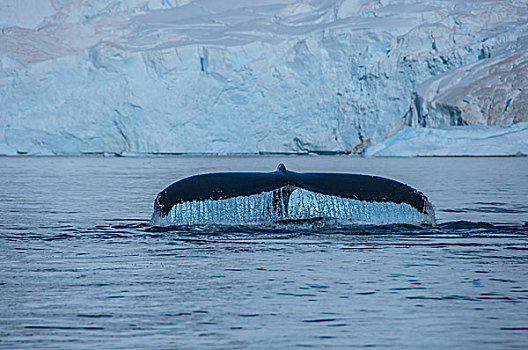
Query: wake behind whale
283, 195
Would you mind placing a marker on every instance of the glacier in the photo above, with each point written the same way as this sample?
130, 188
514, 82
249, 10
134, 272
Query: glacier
372, 77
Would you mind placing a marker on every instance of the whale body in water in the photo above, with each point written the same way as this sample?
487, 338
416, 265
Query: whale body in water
248, 197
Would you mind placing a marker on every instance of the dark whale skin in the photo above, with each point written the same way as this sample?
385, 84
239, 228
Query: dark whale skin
215, 186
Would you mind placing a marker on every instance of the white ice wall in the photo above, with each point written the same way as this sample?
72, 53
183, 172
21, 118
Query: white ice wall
240, 76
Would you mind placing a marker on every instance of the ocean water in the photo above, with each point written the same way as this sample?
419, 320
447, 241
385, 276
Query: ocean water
81, 268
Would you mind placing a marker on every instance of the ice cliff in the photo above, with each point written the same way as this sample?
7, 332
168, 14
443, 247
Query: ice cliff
242, 76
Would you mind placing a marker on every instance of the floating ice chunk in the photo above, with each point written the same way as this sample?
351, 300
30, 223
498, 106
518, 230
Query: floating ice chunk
455, 141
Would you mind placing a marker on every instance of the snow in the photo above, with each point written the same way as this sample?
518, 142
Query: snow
206, 76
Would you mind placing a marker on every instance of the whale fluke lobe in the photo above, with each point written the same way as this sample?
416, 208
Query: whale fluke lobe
246, 197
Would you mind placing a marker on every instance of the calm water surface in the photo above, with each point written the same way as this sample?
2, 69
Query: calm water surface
81, 268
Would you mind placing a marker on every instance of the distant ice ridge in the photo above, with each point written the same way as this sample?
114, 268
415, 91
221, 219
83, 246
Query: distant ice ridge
302, 205
289, 76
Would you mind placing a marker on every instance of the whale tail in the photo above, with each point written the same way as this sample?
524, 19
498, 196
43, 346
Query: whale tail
283, 194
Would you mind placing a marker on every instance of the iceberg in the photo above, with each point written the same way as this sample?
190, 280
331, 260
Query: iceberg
273, 76
458, 141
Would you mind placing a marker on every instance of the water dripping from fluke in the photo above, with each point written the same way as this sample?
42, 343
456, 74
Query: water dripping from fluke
285, 196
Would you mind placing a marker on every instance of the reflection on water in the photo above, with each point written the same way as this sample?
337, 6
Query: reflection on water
81, 267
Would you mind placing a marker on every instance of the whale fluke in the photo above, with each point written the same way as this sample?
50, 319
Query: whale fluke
282, 183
